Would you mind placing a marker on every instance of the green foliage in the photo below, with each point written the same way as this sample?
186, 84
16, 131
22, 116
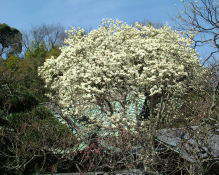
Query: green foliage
39, 53
20, 76
19, 101
36, 133
36, 51
32, 127
53, 52
38, 127
12, 62
24, 121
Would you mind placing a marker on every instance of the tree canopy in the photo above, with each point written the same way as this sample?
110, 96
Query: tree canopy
116, 64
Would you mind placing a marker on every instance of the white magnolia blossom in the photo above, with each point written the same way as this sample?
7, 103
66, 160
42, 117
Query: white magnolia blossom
117, 63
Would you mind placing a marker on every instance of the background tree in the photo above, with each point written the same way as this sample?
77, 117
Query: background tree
51, 36
10, 40
201, 18
31, 136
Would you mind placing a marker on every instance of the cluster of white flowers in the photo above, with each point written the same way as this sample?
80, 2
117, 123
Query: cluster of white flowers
117, 59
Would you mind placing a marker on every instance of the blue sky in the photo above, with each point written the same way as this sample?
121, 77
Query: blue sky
23, 14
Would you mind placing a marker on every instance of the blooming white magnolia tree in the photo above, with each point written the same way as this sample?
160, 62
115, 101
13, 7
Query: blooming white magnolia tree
105, 73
